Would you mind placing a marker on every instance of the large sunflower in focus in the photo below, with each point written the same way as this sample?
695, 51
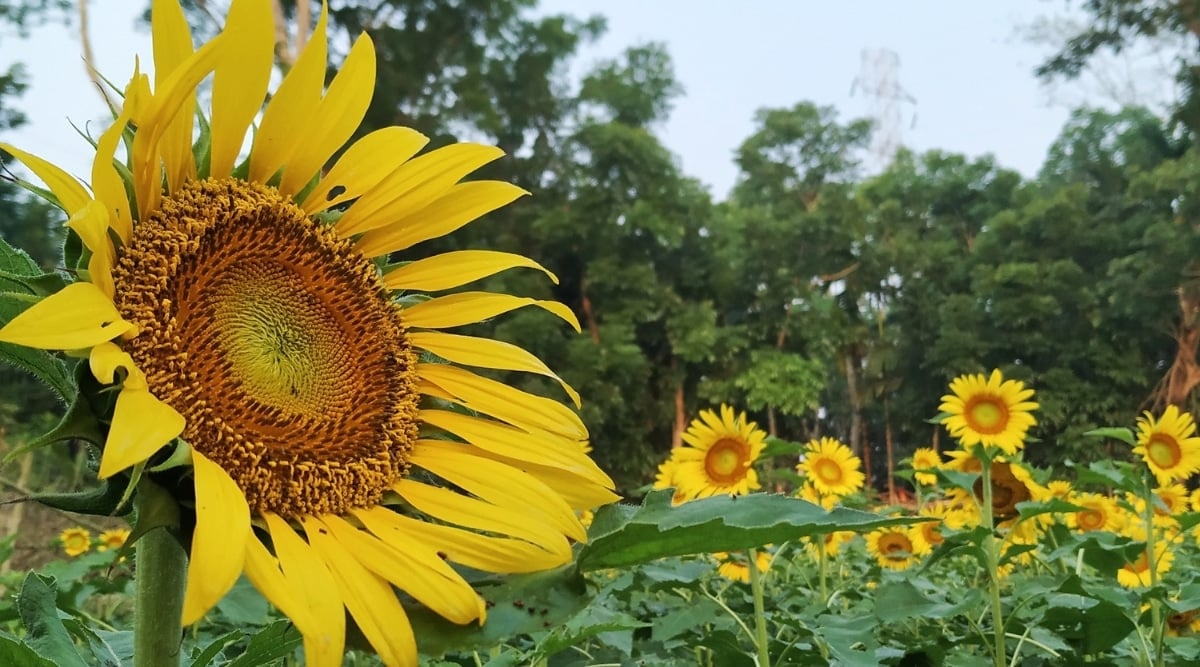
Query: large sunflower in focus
1169, 444
990, 411
718, 455
240, 307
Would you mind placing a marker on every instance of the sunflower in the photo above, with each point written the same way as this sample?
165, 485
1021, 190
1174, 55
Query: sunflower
113, 539
1010, 485
718, 455
895, 548
811, 494
1169, 444
1137, 573
833, 543
735, 567
831, 468
1183, 623
924, 460
989, 411
1098, 513
338, 446
930, 532
76, 541
962, 460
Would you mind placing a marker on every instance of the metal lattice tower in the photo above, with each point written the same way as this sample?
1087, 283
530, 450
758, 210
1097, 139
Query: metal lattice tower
879, 80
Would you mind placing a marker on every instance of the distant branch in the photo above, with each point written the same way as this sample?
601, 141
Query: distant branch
89, 59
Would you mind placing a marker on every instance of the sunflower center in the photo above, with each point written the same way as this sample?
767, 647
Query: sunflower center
932, 533
828, 472
1090, 519
986, 414
895, 546
725, 461
1164, 451
278, 344
1142, 564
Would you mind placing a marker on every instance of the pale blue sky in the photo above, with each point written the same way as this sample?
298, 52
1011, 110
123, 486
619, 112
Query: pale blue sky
963, 62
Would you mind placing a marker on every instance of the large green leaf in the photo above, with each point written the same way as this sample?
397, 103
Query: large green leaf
623, 535
16, 654
37, 604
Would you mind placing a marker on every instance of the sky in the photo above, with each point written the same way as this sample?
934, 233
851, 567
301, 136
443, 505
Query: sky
965, 66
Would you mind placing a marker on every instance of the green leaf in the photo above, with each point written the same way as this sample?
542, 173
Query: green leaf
243, 605
17, 654
901, 600
623, 535
519, 604
37, 604
1115, 432
592, 621
205, 657
17, 262
1029, 509
273, 642
79, 423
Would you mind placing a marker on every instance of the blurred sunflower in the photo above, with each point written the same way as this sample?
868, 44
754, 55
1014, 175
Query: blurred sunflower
930, 532
831, 468
735, 566
1136, 574
990, 411
76, 541
113, 539
241, 308
1169, 444
924, 460
1183, 623
833, 543
895, 548
811, 494
1098, 513
1010, 485
718, 455
962, 460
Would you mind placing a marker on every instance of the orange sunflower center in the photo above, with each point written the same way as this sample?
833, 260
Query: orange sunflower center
1091, 519
932, 533
726, 460
895, 546
1164, 451
276, 341
986, 414
1142, 564
828, 471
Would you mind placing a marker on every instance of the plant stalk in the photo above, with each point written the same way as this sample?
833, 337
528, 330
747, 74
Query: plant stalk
159, 578
760, 616
991, 549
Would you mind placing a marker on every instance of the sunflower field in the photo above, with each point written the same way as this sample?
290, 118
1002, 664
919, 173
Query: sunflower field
369, 336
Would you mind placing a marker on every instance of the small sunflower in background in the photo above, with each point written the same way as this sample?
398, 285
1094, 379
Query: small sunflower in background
1011, 484
735, 566
1137, 573
1169, 444
989, 411
1099, 513
926, 460
831, 468
75, 541
718, 455
895, 548
112, 539
962, 460
245, 311
833, 543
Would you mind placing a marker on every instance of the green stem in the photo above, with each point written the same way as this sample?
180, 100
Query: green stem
159, 577
823, 565
760, 616
1156, 632
991, 550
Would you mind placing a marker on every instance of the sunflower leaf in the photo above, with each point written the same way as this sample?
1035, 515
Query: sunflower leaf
1116, 432
37, 604
623, 535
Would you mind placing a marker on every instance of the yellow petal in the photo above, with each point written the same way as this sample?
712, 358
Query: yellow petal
413, 569
459, 267
455, 310
154, 116
364, 165
71, 195
369, 598
78, 316
458, 206
415, 185
451, 507
263, 571
482, 552
107, 184
513, 443
306, 572
91, 223
503, 402
337, 116
581, 493
498, 484
218, 541
485, 353
240, 80
141, 425
104, 360
172, 47
293, 106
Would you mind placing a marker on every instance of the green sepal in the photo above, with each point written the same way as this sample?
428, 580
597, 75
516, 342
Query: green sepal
103, 500
79, 423
157, 509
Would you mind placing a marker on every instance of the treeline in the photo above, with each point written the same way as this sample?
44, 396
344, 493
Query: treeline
820, 300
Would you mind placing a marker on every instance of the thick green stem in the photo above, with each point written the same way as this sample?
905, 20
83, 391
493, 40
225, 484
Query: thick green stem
1156, 633
159, 578
823, 568
760, 616
991, 550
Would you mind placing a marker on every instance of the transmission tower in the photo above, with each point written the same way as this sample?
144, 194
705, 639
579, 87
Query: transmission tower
879, 80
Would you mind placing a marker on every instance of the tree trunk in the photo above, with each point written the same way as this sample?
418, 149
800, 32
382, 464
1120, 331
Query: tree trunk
850, 366
589, 315
680, 416
1184, 375
889, 443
